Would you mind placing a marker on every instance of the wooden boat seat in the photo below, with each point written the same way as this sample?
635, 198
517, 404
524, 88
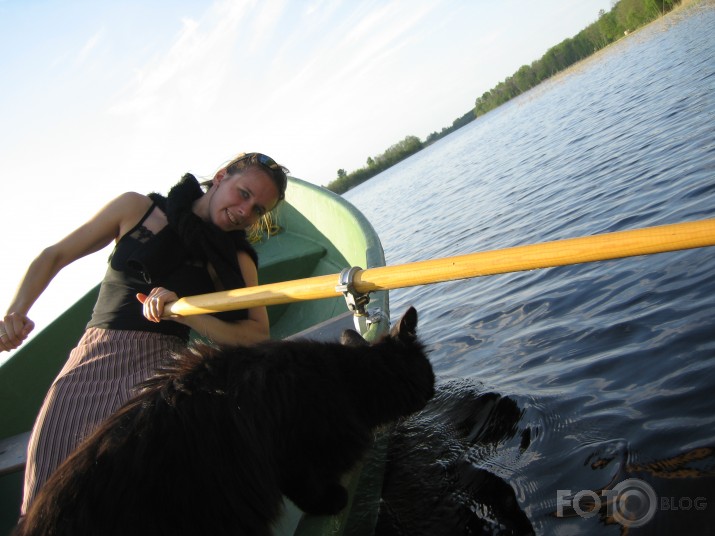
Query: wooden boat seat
288, 253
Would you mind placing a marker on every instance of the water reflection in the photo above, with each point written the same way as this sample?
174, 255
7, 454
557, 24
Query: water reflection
436, 481
640, 494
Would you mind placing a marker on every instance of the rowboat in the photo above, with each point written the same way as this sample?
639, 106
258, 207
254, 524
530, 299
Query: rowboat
315, 234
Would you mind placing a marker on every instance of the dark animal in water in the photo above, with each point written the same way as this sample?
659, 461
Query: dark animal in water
212, 442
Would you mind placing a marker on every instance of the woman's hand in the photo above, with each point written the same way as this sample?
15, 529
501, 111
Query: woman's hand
14, 329
154, 303
110, 223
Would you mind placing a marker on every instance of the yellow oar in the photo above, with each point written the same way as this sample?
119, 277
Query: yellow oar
559, 253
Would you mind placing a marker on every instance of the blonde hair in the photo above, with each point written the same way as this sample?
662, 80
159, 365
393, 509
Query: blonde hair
267, 226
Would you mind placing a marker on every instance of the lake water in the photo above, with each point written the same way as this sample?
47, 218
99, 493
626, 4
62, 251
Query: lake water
574, 378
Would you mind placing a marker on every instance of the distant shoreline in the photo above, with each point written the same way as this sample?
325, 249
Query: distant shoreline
684, 4
412, 144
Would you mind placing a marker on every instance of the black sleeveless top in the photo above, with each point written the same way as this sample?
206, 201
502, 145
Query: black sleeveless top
173, 267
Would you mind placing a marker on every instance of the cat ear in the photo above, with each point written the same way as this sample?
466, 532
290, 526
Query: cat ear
352, 338
406, 328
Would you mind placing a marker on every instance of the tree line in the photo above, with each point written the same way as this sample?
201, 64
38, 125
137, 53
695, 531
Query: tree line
624, 17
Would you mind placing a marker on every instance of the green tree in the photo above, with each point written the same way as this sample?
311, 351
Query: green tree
394, 154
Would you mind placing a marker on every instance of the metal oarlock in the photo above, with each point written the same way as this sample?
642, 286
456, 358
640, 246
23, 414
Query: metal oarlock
356, 301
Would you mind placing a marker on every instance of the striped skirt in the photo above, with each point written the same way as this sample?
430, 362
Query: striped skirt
96, 380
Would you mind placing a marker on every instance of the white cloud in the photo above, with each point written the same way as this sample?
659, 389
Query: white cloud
88, 47
188, 77
263, 29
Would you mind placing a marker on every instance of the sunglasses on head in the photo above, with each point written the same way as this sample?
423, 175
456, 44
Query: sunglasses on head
264, 160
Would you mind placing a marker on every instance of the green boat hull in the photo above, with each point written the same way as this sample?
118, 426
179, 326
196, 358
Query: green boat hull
320, 234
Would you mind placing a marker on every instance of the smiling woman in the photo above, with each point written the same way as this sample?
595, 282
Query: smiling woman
189, 242
242, 195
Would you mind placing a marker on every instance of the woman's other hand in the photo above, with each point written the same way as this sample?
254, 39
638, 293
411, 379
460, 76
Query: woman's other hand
154, 303
14, 329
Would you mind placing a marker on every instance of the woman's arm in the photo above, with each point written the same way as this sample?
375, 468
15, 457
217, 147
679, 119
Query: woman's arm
242, 332
108, 224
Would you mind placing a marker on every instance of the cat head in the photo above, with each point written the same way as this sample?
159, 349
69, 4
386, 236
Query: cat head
405, 331
401, 376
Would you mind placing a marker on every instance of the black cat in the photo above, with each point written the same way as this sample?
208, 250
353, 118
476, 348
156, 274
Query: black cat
215, 438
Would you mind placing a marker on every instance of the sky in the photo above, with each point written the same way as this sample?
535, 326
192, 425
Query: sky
100, 97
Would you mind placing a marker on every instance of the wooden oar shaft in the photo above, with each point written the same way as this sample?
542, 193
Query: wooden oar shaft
545, 255
602, 247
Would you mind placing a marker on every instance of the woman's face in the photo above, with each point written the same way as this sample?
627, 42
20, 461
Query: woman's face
241, 199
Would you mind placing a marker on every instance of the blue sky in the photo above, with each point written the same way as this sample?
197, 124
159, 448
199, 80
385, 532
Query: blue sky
100, 97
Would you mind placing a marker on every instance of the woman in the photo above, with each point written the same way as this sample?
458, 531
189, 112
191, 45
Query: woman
191, 242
